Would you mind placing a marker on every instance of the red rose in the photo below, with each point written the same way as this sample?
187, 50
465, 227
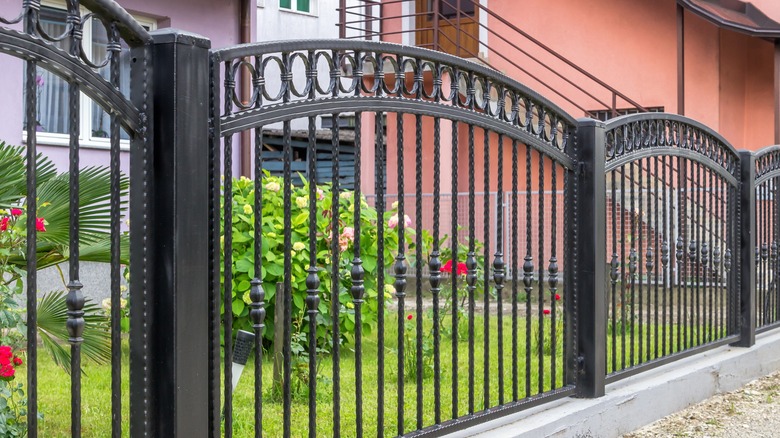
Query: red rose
557, 297
17, 361
16, 212
447, 267
7, 372
546, 311
409, 317
5, 354
4, 223
462, 269
39, 225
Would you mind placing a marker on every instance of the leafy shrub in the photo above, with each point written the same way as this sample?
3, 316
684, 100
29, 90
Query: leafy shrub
273, 252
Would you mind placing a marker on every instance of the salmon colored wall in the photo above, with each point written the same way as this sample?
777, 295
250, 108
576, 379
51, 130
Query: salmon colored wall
632, 45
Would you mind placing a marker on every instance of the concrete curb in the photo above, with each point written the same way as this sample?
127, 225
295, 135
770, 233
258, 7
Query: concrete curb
644, 398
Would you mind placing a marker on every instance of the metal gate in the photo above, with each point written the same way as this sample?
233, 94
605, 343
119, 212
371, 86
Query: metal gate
373, 329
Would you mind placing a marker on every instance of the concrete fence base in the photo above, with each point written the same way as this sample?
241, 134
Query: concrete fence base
644, 398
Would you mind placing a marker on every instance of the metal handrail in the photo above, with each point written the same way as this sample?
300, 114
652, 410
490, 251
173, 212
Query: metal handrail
361, 14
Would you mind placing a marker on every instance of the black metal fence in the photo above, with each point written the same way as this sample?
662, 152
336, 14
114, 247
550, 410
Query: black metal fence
601, 251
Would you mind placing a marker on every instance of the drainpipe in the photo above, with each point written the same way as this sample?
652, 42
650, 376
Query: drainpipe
245, 87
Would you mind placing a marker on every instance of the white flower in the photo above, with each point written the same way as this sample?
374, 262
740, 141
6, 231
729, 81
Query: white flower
273, 186
299, 246
345, 195
301, 202
247, 209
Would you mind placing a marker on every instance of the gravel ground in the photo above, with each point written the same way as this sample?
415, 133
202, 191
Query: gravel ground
751, 411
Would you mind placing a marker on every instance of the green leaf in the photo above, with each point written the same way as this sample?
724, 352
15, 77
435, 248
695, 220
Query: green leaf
238, 306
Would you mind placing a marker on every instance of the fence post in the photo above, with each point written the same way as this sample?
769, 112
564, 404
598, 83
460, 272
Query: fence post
589, 258
746, 227
169, 208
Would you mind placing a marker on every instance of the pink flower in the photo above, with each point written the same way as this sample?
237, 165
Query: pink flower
347, 237
4, 223
393, 221
40, 225
16, 212
546, 311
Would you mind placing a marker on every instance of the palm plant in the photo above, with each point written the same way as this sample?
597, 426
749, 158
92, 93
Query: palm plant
52, 246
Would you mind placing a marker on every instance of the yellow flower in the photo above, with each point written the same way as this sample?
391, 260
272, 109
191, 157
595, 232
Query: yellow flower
299, 246
293, 253
246, 298
301, 202
247, 209
350, 305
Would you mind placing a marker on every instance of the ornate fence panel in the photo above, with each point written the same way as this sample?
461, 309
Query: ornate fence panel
673, 241
77, 215
767, 299
422, 337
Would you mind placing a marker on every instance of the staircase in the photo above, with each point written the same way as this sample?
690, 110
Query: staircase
462, 27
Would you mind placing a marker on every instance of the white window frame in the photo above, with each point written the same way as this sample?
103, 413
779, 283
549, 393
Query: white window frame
86, 140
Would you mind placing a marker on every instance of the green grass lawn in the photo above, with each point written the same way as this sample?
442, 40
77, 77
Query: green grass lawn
54, 385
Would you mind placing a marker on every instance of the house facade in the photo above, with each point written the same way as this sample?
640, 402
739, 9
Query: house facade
224, 22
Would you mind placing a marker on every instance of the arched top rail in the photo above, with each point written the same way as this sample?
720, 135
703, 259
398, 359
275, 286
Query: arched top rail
70, 68
336, 69
643, 135
278, 113
767, 162
129, 29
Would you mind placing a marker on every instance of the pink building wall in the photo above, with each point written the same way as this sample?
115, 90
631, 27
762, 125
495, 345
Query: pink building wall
217, 20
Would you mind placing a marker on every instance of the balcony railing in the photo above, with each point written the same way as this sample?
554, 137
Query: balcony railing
442, 25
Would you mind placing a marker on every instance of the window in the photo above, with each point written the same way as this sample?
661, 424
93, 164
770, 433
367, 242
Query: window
300, 5
53, 112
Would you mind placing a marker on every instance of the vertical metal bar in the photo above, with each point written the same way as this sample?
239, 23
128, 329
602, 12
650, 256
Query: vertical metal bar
227, 292
399, 268
528, 271
287, 224
746, 225
214, 249
498, 267
614, 265
632, 264
471, 266
540, 283
313, 279
590, 251
681, 249
657, 246
436, 28
552, 274
342, 19
379, 181
649, 262
114, 50
698, 220
623, 266
486, 272
380, 157
418, 264
435, 268
31, 106
75, 297
455, 262
256, 291
515, 271
665, 259
357, 288
707, 257
334, 274
640, 219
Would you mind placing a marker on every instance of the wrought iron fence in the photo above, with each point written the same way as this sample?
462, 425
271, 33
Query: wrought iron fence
673, 187
579, 252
